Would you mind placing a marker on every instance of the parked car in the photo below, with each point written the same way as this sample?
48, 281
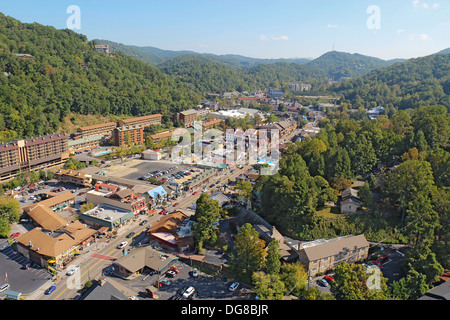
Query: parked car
174, 269
176, 204
171, 273
329, 279
383, 259
72, 270
163, 211
165, 282
50, 290
122, 245
322, 283
188, 292
15, 235
195, 272
194, 193
233, 286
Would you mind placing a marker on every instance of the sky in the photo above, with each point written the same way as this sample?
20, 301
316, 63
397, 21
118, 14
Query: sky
386, 29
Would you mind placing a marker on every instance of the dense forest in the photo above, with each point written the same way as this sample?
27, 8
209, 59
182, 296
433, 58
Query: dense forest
339, 65
410, 84
155, 56
207, 75
405, 160
68, 75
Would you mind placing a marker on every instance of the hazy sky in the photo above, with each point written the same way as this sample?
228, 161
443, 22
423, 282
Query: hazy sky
256, 28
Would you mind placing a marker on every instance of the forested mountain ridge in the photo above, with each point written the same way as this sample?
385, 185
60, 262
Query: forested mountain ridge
66, 74
342, 64
416, 82
206, 75
155, 56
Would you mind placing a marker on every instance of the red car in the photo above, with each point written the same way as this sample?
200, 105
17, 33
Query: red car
377, 263
382, 259
176, 204
329, 279
194, 193
15, 235
163, 211
174, 269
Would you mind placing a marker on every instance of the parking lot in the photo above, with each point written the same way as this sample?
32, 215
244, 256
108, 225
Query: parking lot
207, 287
13, 271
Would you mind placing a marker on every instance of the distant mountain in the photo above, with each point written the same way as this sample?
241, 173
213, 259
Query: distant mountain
155, 56
445, 51
410, 84
206, 74
340, 65
151, 55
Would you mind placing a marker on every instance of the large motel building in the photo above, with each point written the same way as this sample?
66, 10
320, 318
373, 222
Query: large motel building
123, 132
25, 155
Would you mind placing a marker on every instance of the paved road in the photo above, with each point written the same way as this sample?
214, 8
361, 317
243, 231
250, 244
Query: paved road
93, 264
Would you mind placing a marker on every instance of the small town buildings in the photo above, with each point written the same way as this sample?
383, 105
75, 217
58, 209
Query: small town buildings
56, 202
375, 112
151, 155
108, 216
298, 86
55, 249
322, 255
439, 292
350, 201
161, 137
123, 198
73, 176
102, 48
187, 117
141, 259
45, 217
104, 289
173, 231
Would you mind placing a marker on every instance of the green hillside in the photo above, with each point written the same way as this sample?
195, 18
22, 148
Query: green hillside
339, 65
205, 74
67, 75
410, 84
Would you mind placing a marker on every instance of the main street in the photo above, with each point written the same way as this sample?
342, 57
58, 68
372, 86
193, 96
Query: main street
94, 262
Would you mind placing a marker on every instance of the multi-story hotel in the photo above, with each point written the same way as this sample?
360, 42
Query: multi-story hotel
97, 129
187, 117
132, 134
145, 121
32, 154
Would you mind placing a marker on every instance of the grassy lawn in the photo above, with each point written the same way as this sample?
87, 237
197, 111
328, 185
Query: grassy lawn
330, 213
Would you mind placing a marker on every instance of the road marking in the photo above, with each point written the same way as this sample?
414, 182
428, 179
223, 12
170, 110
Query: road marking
95, 264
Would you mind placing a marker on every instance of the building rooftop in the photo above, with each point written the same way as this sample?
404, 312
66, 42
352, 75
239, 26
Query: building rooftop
325, 248
109, 214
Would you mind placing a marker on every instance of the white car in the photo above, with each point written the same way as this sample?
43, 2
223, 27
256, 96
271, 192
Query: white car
233, 286
189, 292
72, 270
122, 245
